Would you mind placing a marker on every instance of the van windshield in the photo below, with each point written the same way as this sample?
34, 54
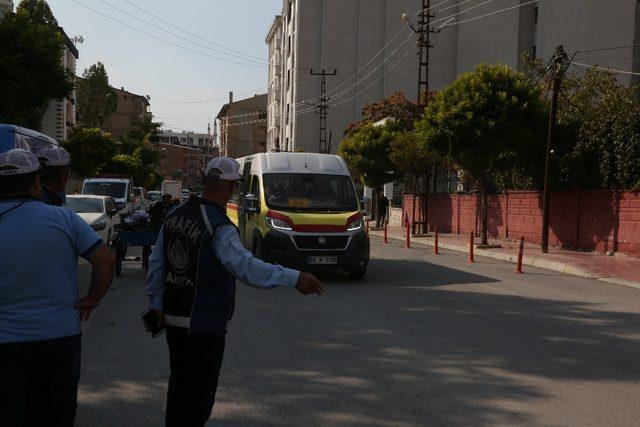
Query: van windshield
310, 192
117, 190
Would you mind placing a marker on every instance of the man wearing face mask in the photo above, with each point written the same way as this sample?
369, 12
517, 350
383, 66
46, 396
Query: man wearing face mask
55, 174
191, 285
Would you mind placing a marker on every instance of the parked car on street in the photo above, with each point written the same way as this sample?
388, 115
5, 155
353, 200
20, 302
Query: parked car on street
100, 212
155, 196
141, 200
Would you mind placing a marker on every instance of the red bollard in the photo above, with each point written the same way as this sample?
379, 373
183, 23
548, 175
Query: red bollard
407, 244
386, 239
520, 252
436, 251
471, 260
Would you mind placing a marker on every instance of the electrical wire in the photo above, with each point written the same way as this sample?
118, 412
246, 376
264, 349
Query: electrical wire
506, 9
613, 70
192, 34
151, 24
165, 40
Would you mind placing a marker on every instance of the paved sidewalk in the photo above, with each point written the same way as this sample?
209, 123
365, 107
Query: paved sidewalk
619, 270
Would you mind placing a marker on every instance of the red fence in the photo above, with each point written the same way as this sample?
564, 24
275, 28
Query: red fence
602, 221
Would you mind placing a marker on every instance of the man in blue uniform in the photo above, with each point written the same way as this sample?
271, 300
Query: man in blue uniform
40, 312
55, 174
191, 284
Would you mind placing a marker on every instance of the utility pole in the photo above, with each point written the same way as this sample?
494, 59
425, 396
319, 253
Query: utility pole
322, 108
423, 30
559, 64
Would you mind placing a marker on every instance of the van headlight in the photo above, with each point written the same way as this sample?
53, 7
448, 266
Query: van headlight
356, 225
278, 224
99, 225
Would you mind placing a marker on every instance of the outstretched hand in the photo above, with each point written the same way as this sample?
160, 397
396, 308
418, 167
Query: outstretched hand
309, 284
86, 305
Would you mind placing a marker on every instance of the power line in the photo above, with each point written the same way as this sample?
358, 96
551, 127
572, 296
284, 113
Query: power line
151, 24
190, 33
506, 9
607, 48
164, 40
613, 70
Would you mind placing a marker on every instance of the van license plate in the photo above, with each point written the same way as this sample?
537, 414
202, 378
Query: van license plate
323, 260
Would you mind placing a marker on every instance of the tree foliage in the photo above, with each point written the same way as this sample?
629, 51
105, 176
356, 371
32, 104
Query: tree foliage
397, 106
367, 153
488, 122
409, 154
31, 74
96, 98
90, 151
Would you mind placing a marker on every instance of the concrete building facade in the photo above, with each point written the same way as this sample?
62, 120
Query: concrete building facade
182, 163
202, 141
60, 116
131, 108
274, 96
6, 6
242, 126
348, 34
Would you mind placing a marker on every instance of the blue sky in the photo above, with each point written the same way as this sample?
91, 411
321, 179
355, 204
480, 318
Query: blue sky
170, 75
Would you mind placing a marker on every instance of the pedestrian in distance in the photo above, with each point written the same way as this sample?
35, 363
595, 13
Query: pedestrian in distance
191, 286
56, 165
383, 209
40, 313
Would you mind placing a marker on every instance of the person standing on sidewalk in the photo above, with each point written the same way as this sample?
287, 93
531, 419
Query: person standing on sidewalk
39, 309
383, 209
55, 174
191, 285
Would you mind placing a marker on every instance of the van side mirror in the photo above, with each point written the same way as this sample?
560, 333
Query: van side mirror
365, 206
251, 203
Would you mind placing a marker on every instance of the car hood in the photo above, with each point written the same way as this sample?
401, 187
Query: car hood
90, 218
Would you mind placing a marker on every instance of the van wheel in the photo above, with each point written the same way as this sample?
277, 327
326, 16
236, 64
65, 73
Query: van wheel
358, 274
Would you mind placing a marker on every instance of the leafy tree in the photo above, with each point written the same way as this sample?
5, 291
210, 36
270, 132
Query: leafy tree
39, 12
96, 99
367, 153
397, 106
31, 74
411, 157
144, 129
486, 121
90, 151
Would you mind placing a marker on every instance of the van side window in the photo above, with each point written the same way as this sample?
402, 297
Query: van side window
255, 186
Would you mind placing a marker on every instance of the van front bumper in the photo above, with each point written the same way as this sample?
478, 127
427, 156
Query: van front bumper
280, 248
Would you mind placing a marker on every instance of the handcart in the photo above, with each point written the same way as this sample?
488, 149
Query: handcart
134, 235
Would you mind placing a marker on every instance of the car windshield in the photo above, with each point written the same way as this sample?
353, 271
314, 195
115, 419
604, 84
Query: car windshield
310, 192
117, 190
84, 205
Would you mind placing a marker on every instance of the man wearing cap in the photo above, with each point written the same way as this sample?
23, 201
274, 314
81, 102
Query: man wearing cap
55, 174
191, 285
40, 312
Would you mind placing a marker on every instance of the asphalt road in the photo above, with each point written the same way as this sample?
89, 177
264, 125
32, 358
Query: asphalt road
421, 341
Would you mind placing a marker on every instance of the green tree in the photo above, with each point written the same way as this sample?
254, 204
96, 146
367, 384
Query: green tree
90, 151
486, 121
31, 74
367, 153
412, 158
39, 12
397, 106
96, 100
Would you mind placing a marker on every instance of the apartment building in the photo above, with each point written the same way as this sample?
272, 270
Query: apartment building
131, 109
374, 51
182, 163
203, 141
6, 6
60, 116
242, 126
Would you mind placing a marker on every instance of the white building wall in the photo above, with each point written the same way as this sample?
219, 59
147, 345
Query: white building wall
6, 6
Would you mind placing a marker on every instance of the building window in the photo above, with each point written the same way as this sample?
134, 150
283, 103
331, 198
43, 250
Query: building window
536, 10
289, 10
289, 46
534, 51
286, 119
288, 79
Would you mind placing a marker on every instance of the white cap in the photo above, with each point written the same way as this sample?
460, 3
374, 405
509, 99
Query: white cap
18, 162
56, 156
224, 168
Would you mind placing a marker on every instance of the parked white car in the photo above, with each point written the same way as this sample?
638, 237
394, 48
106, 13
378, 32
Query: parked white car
100, 212
141, 199
119, 188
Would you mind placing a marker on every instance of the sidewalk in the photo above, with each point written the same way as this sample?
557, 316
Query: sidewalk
619, 270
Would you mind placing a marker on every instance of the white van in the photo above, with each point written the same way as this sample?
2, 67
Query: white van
301, 210
119, 188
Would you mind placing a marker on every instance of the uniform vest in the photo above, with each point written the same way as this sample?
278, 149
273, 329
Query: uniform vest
199, 292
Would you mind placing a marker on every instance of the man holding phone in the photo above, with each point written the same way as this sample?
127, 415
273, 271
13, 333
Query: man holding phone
191, 287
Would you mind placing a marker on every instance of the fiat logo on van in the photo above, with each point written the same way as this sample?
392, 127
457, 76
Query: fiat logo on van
322, 240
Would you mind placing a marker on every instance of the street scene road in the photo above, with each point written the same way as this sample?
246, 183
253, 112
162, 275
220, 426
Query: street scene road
422, 340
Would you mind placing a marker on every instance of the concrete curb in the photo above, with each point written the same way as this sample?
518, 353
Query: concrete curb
526, 260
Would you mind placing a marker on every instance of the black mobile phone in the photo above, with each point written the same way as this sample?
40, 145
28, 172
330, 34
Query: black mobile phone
150, 320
